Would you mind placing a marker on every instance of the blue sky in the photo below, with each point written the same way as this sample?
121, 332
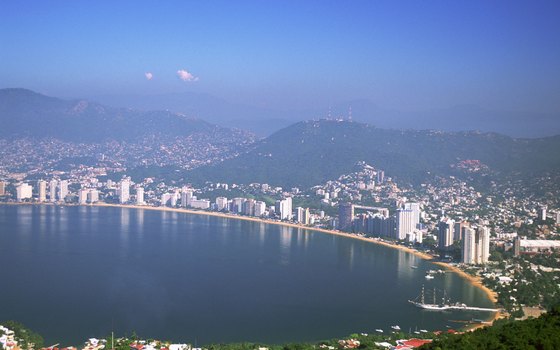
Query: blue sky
405, 55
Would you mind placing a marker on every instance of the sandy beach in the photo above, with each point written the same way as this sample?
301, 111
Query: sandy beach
475, 281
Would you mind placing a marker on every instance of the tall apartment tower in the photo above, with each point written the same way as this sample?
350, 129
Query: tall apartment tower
445, 234
93, 196
53, 184
542, 212
345, 216
284, 208
24, 191
222, 203
42, 185
458, 230
237, 204
469, 246
140, 196
415, 207
302, 215
249, 207
476, 245
260, 208
380, 176
62, 190
186, 197
408, 219
124, 191
83, 196
483, 247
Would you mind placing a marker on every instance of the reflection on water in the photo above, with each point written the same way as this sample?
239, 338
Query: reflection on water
178, 277
285, 245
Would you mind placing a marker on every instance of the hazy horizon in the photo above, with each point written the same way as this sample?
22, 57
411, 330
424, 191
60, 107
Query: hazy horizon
411, 62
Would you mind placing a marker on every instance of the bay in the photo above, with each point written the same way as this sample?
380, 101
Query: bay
71, 273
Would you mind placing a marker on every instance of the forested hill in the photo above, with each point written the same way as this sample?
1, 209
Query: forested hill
540, 333
308, 153
24, 113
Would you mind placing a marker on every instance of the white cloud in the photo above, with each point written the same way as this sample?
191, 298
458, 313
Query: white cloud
148, 75
186, 76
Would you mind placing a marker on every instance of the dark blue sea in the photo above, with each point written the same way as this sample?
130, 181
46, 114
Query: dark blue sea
71, 273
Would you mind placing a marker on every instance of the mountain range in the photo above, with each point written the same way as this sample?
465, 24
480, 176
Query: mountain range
24, 113
311, 152
266, 120
303, 154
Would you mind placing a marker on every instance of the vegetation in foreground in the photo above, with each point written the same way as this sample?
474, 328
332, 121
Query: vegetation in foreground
533, 333
539, 333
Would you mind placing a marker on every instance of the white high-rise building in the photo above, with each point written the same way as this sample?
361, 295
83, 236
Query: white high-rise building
483, 244
222, 203
93, 196
476, 245
260, 208
237, 205
415, 207
469, 245
302, 215
165, 198
62, 190
140, 196
542, 212
408, 219
42, 185
124, 191
83, 196
53, 184
24, 191
186, 197
200, 203
249, 207
174, 199
284, 208
445, 235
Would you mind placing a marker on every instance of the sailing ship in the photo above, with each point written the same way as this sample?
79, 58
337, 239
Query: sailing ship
442, 305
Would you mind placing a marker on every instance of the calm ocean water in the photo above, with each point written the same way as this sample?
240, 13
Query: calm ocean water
77, 272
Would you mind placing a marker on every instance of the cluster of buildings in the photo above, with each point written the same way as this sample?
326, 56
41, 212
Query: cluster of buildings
125, 192
7, 339
367, 202
406, 225
99, 344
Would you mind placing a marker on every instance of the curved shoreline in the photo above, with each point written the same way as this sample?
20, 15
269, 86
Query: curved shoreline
475, 281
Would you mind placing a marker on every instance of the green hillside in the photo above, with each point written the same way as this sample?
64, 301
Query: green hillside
308, 153
540, 333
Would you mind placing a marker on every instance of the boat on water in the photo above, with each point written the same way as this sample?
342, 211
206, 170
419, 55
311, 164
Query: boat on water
379, 330
413, 267
434, 306
444, 304
429, 277
397, 328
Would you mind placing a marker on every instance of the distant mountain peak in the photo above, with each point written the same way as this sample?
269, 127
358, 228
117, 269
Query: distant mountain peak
27, 113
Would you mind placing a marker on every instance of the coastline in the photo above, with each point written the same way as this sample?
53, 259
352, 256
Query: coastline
475, 281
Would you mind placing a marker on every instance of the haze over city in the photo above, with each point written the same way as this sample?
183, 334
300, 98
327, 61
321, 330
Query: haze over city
491, 66
279, 175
